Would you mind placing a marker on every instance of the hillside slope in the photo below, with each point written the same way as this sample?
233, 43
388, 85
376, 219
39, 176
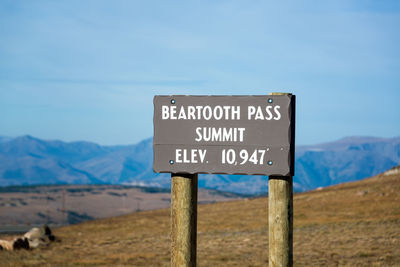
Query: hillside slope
353, 224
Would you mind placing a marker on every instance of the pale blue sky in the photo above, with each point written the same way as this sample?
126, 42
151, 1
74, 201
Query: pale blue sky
88, 70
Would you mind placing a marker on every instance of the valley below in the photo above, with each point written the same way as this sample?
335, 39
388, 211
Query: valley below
352, 224
24, 206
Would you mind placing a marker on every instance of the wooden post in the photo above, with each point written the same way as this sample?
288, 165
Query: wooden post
183, 219
280, 217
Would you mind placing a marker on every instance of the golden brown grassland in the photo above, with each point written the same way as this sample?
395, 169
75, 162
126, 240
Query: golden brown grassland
354, 224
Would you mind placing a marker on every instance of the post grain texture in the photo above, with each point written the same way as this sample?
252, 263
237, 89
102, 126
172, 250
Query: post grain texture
280, 217
183, 219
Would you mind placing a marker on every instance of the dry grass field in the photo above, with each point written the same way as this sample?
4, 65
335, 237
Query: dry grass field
354, 224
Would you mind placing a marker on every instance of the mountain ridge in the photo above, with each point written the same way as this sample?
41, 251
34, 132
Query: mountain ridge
30, 160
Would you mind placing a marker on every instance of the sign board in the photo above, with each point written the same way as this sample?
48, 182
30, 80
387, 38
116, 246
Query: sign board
251, 135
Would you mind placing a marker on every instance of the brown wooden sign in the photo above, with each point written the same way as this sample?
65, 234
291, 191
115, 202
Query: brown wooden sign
224, 134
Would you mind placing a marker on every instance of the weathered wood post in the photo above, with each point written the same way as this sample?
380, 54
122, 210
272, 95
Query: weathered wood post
280, 214
183, 219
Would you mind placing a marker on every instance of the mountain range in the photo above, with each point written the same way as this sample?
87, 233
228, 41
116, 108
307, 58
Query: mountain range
28, 160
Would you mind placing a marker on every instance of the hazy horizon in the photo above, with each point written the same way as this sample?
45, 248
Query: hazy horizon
146, 138
74, 70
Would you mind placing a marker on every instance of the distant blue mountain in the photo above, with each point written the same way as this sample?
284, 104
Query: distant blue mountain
349, 159
28, 160
4, 139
